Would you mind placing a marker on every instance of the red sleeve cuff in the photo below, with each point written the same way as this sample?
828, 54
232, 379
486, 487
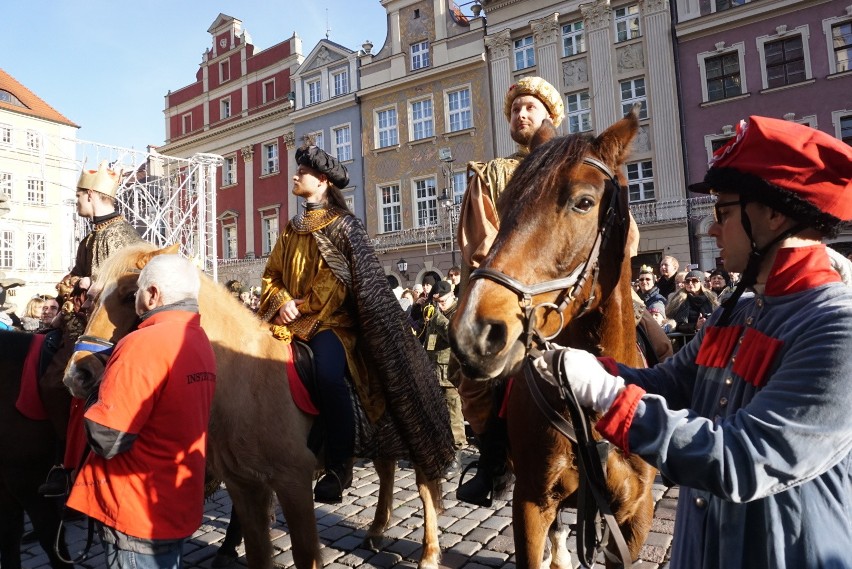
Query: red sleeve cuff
615, 424
609, 364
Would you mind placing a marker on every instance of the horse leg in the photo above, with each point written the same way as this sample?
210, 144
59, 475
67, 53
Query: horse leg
226, 555
560, 556
385, 468
251, 501
297, 503
430, 495
530, 523
11, 529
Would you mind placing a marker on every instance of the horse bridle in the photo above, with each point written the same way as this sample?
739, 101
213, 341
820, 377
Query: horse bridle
573, 284
593, 496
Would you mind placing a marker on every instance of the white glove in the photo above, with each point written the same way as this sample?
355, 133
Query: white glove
592, 385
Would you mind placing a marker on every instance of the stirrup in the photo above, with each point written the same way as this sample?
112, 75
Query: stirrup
487, 501
57, 484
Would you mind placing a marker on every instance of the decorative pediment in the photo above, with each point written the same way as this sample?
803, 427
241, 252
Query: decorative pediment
228, 215
325, 53
221, 21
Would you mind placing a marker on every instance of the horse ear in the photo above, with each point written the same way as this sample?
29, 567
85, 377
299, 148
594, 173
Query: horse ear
145, 257
544, 133
614, 144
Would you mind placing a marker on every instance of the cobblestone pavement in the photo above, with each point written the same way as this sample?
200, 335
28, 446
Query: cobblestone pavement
471, 537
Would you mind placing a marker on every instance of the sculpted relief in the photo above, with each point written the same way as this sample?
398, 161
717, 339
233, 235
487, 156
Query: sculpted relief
575, 72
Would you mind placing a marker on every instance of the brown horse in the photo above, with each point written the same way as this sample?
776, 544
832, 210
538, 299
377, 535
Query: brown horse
27, 451
257, 436
577, 284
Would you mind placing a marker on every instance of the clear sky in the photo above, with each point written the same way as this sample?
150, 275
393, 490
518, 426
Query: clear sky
107, 64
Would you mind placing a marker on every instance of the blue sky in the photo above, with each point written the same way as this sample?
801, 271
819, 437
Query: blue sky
107, 64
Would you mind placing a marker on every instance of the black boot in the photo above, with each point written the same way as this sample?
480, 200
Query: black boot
492, 473
329, 489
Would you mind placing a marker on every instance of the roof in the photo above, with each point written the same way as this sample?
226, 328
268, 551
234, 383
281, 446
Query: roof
33, 105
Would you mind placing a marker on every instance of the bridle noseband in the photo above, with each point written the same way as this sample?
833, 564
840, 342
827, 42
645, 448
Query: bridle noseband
576, 280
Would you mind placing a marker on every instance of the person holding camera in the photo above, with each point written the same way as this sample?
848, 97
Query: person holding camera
692, 304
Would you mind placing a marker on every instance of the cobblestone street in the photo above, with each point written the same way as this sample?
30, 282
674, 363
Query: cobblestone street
471, 537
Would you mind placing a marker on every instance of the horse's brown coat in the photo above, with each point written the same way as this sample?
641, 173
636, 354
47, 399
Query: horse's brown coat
550, 214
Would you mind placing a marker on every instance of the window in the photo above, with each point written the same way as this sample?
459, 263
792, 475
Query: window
36, 251
627, 23
573, 39
270, 158
460, 116
722, 74
419, 55
186, 123
318, 138
314, 93
718, 143
225, 108
229, 242
640, 181
841, 42
229, 171
6, 183
340, 80
579, 112
459, 186
7, 97
268, 91
343, 143
270, 233
785, 62
846, 129
224, 71
33, 140
35, 191
7, 249
722, 5
391, 208
426, 200
633, 91
5, 134
421, 119
524, 53
386, 125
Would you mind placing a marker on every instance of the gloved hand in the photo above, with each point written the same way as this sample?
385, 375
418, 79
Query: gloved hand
591, 383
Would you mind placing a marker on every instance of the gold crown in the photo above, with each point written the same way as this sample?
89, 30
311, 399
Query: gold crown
646, 269
102, 180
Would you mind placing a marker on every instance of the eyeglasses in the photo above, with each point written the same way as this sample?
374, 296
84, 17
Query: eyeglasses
691, 281
645, 279
717, 209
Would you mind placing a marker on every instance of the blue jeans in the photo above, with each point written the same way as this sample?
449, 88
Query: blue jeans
123, 559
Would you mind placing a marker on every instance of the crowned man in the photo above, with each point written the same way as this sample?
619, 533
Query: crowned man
96, 191
527, 104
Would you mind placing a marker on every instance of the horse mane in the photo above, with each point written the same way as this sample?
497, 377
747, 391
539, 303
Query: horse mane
121, 262
539, 172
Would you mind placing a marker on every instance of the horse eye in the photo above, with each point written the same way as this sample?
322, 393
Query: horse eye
583, 205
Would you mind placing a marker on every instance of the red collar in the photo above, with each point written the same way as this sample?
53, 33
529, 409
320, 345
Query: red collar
800, 268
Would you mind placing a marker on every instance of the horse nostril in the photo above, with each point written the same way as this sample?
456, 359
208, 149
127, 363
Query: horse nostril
492, 339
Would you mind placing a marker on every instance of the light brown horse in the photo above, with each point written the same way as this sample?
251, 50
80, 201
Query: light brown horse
551, 215
257, 436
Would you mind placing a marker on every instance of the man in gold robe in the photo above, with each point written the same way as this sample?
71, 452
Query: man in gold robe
323, 284
526, 105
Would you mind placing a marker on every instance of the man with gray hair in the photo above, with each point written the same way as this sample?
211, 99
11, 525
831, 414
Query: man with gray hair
148, 427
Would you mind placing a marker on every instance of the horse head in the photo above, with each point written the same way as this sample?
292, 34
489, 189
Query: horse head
558, 256
112, 315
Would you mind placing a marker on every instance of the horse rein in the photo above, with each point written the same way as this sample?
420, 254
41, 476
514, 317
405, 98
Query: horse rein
572, 284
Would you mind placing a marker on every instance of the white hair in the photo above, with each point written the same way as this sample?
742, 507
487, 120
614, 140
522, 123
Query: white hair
175, 277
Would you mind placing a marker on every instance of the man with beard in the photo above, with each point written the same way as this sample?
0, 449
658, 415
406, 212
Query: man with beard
527, 104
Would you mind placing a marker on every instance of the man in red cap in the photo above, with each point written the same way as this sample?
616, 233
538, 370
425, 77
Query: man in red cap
752, 417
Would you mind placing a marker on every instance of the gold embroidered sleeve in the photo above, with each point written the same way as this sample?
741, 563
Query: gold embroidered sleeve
273, 293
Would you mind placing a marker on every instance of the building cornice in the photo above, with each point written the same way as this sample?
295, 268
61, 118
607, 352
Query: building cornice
217, 132
415, 78
325, 107
738, 17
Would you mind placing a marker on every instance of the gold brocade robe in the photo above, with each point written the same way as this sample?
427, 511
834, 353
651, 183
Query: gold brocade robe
296, 270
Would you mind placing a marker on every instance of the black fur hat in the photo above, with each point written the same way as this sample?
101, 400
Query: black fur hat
318, 159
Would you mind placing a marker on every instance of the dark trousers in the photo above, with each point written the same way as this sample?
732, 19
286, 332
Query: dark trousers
335, 404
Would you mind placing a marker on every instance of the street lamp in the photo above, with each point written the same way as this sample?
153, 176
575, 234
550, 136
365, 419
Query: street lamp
402, 266
448, 194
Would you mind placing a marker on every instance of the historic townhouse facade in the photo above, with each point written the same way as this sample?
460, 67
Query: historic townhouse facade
425, 113
239, 106
604, 56
327, 111
38, 176
787, 59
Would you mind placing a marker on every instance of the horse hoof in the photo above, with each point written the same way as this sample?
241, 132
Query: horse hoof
373, 543
224, 559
